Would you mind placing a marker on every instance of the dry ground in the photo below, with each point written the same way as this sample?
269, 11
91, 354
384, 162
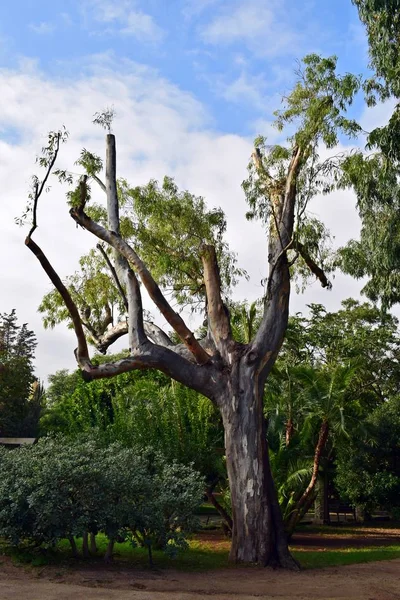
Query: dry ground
372, 581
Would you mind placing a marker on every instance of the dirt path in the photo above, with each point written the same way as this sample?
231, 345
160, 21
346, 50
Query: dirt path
373, 581
122, 581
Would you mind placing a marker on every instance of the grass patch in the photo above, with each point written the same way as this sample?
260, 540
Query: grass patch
346, 529
313, 559
201, 555
206, 509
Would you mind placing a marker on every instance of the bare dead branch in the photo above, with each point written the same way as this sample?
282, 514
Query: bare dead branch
39, 188
82, 353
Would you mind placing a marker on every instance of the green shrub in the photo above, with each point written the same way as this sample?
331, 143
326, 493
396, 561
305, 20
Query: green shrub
63, 488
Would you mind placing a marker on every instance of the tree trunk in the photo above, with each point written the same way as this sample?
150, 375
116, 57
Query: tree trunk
85, 545
74, 548
93, 546
289, 431
258, 535
109, 551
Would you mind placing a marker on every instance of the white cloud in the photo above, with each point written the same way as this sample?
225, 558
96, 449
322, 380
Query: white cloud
42, 28
255, 23
193, 8
142, 26
124, 18
248, 89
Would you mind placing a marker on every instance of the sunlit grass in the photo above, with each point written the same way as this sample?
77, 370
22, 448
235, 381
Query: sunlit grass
205, 555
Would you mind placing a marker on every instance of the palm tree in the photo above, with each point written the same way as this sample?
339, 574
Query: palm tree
326, 400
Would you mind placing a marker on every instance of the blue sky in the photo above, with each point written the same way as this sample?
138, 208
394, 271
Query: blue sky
233, 56
193, 82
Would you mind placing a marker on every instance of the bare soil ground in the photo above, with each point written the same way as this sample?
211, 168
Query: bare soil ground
95, 580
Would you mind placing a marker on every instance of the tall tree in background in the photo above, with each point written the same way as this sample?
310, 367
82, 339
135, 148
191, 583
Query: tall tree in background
375, 176
20, 393
169, 242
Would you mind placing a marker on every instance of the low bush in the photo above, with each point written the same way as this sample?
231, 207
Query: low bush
61, 488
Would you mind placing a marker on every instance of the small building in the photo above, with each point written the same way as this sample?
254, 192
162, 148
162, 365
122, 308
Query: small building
15, 442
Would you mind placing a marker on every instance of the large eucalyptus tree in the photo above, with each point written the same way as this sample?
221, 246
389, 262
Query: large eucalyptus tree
163, 240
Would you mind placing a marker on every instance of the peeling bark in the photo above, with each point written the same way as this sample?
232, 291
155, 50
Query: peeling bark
258, 535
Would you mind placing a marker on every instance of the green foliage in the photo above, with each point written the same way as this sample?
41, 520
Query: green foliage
314, 115
245, 320
167, 228
368, 473
144, 409
382, 21
61, 488
360, 333
375, 178
305, 398
94, 293
105, 118
19, 404
318, 103
335, 368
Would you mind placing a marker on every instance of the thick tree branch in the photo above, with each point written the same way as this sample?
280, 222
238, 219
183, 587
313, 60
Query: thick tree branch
158, 336
137, 335
217, 312
290, 194
270, 335
82, 353
122, 269
205, 379
151, 286
153, 333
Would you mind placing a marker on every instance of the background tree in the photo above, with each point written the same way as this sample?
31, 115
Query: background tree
334, 370
374, 175
283, 178
21, 395
144, 410
368, 466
